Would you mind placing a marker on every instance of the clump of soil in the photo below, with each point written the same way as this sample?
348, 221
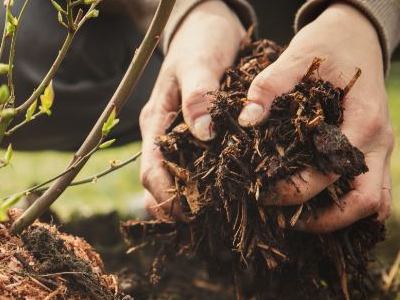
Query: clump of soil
46, 264
222, 186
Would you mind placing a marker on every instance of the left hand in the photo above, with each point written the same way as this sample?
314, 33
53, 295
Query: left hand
205, 44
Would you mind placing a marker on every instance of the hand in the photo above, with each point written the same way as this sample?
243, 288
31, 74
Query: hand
205, 44
346, 40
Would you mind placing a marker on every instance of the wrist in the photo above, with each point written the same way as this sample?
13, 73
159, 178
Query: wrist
206, 18
215, 11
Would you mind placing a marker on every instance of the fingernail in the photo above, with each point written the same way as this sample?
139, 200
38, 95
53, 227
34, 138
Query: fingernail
203, 129
251, 114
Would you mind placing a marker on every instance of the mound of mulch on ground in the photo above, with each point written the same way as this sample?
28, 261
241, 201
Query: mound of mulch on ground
222, 185
43, 263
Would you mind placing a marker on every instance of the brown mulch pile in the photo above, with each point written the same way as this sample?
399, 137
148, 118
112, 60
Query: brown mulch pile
45, 264
221, 186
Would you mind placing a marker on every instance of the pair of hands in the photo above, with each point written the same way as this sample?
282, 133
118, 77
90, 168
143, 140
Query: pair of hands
207, 43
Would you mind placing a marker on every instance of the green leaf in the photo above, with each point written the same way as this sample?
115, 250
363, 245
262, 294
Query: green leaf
10, 28
110, 123
60, 18
7, 204
58, 7
47, 99
10, 18
107, 144
4, 68
8, 155
4, 93
31, 110
93, 14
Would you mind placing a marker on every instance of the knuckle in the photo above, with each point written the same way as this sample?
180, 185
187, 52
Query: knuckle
385, 214
145, 113
146, 177
371, 203
385, 209
374, 119
195, 101
389, 137
150, 208
264, 82
374, 124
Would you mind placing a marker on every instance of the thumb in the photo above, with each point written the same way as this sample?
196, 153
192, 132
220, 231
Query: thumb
278, 78
195, 101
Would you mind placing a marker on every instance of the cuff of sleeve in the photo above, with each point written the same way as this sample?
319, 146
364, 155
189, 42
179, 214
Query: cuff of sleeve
384, 14
182, 7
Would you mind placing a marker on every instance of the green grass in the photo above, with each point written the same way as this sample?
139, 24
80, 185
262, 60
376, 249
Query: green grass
118, 190
121, 190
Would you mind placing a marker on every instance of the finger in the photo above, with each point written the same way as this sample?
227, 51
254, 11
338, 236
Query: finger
278, 78
300, 187
359, 203
195, 102
373, 115
154, 119
153, 209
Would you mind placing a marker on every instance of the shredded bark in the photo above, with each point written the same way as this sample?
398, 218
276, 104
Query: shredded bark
223, 185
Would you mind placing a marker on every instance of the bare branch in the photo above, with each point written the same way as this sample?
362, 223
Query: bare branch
118, 100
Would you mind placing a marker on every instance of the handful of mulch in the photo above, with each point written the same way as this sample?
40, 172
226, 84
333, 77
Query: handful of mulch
221, 186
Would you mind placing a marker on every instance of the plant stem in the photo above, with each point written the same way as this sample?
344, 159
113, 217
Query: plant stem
56, 64
3, 38
12, 54
39, 187
24, 122
103, 173
118, 100
70, 17
6, 117
49, 76
43, 186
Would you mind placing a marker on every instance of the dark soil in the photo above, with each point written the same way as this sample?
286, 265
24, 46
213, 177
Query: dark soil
222, 187
183, 279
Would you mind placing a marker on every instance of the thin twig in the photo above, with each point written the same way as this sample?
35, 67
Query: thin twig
24, 122
56, 64
3, 38
103, 173
49, 76
67, 170
118, 100
5, 122
12, 53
